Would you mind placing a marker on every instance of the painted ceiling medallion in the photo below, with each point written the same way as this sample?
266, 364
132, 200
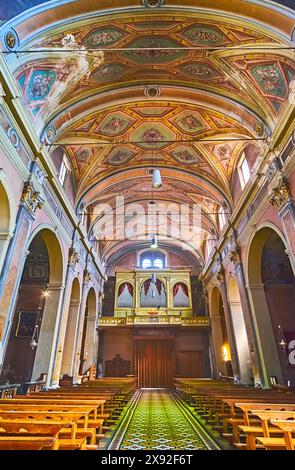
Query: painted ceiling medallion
119, 156
185, 155
152, 91
40, 84
153, 3
199, 70
108, 72
114, 124
152, 136
83, 154
203, 35
103, 37
50, 133
189, 123
270, 79
11, 39
259, 128
158, 49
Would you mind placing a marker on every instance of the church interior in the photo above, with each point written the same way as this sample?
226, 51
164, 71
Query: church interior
147, 225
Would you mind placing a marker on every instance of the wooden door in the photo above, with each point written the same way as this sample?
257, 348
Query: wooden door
190, 364
154, 363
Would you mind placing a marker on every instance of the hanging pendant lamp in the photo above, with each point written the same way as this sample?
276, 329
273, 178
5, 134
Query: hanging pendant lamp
154, 243
157, 179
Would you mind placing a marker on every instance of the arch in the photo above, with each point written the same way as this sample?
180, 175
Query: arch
89, 343
239, 328
7, 216
34, 319
271, 290
220, 335
68, 358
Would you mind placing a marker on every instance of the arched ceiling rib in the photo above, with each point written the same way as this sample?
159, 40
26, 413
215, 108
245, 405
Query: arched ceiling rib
221, 77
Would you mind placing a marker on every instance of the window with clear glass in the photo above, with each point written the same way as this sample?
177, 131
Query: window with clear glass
244, 172
64, 169
221, 218
152, 259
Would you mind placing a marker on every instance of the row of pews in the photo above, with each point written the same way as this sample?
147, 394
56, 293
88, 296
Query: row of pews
249, 418
68, 418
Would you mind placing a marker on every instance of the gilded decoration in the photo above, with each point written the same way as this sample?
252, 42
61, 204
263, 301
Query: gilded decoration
87, 276
31, 198
74, 257
220, 276
234, 256
281, 194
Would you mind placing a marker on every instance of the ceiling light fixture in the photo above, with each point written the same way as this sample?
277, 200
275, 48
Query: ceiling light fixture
154, 243
157, 179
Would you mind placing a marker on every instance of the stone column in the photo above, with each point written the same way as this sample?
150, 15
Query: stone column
91, 339
229, 326
15, 260
69, 352
247, 315
100, 353
79, 333
270, 362
48, 333
73, 259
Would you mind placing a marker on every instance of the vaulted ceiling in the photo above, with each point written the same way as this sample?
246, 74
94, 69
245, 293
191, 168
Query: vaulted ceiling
181, 87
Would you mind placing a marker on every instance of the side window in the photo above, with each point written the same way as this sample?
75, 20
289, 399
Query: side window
64, 169
244, 172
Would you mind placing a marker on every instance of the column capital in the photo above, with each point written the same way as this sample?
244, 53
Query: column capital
281, 193
31, 198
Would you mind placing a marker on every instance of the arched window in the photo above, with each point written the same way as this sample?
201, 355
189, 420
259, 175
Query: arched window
152, 259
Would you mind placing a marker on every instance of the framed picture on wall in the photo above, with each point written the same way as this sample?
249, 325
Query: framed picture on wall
35, 272
27, 320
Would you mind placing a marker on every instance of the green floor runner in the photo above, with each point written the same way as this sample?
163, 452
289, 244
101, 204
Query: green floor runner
157, 419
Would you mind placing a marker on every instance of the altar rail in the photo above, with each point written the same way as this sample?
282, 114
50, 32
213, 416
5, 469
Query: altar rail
155, 319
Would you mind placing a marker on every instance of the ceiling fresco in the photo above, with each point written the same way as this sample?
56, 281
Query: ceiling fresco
177, 89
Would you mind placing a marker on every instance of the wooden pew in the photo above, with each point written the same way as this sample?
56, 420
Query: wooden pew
26, 443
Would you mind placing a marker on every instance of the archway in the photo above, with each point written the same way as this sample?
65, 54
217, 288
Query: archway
271, 285
5, 222
240, 333
68, 358
34, 320
220, 335
89, 344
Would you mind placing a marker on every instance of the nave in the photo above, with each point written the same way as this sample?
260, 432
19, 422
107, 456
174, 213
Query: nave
111, 414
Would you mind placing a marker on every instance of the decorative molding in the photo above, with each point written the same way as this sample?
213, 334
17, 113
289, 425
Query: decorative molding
281, 194
153, 3
74, 257
31, 198
234, 256
220, 276
87, 276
